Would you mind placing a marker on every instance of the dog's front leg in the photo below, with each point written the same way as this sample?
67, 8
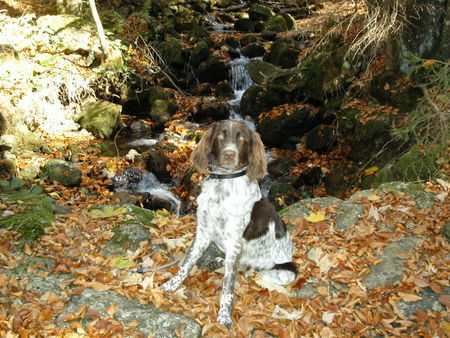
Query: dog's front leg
227, 295
195, 251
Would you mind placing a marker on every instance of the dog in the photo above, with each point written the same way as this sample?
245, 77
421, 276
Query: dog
232, 213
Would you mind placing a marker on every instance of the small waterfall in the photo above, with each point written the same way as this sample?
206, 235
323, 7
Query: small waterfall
138, 181
240, 81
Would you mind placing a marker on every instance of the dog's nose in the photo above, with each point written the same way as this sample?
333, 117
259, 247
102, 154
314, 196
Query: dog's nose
229, 155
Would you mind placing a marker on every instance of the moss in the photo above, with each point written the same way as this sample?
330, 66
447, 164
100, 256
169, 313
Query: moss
37, 215
415, 165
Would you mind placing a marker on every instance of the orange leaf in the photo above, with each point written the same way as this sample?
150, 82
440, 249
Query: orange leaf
445, 300
421, 315
409, 297
111, 310
436, 288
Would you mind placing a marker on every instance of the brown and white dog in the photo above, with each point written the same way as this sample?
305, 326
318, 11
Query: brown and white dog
232, 213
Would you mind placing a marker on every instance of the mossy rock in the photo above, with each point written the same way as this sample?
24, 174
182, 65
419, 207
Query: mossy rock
200, 53
278, 131
158, 93
416, 165
161, 112
285, 192
63, 172
258, 99
259, 12
283, 53
30, 222
213, 70
253, 50
172, 52
100, 118
322, 138
247, 25
277, 24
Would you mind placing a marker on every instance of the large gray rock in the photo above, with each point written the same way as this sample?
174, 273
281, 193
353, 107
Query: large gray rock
100, 118
64, 172
429, 301
162, 111
152, 321
391, 269
349, 213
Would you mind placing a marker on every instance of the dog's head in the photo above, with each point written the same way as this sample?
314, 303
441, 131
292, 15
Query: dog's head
231, 146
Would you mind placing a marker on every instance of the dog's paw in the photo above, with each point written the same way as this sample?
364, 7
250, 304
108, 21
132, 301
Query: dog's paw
224, 317
170, 285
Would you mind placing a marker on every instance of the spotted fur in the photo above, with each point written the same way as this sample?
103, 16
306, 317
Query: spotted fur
232, 214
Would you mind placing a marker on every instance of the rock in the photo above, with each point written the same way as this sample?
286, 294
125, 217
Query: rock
308, 177
335, 184
289, 20
429, 301
172, 52
100, 118
137, 104
28, 140
415, 165
203, 89
211, 259
138, 128
277, 131
31, 171
391, 269
10, 141
157, 203
211, 110
247, 25
446, 231
74, 7
8, 168
253, 50
283, 53
161, 112
268, 35
158, 93
258, 99
223, 90
66, 173
259, 12
32, 221
157, 162
248, 39
306, 291
350, 212
214, 70
322, 139
200, 53
423, 199
270, 76
281, 166
282, 192
277, 24
151, 321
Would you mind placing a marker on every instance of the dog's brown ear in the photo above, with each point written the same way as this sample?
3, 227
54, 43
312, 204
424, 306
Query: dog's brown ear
257, 164
199, 157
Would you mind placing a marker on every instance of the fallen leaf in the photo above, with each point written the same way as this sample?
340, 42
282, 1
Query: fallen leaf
421, 315
328, 317
271, 286
315, 217
445, 300
409, 297
122, 262
321, 259
280, 313
111, 310
373, 197
373, 213
371, 171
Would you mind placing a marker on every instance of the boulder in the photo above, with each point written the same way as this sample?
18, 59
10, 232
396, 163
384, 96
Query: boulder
100, 118
66, 173
161, 112
280, 167
200, 53
277, 24
257, 99
156, 161
283, 53
282, 195
159, 93
322, 138
308, 177
270, 76
247, 25
259, 12
253, 50
277, 131
172, 52
151, 320
211, 110
214, 70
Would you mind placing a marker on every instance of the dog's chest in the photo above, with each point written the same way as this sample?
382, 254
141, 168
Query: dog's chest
226, 206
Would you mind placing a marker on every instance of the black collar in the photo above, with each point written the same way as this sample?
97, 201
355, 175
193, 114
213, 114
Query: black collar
227, 176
